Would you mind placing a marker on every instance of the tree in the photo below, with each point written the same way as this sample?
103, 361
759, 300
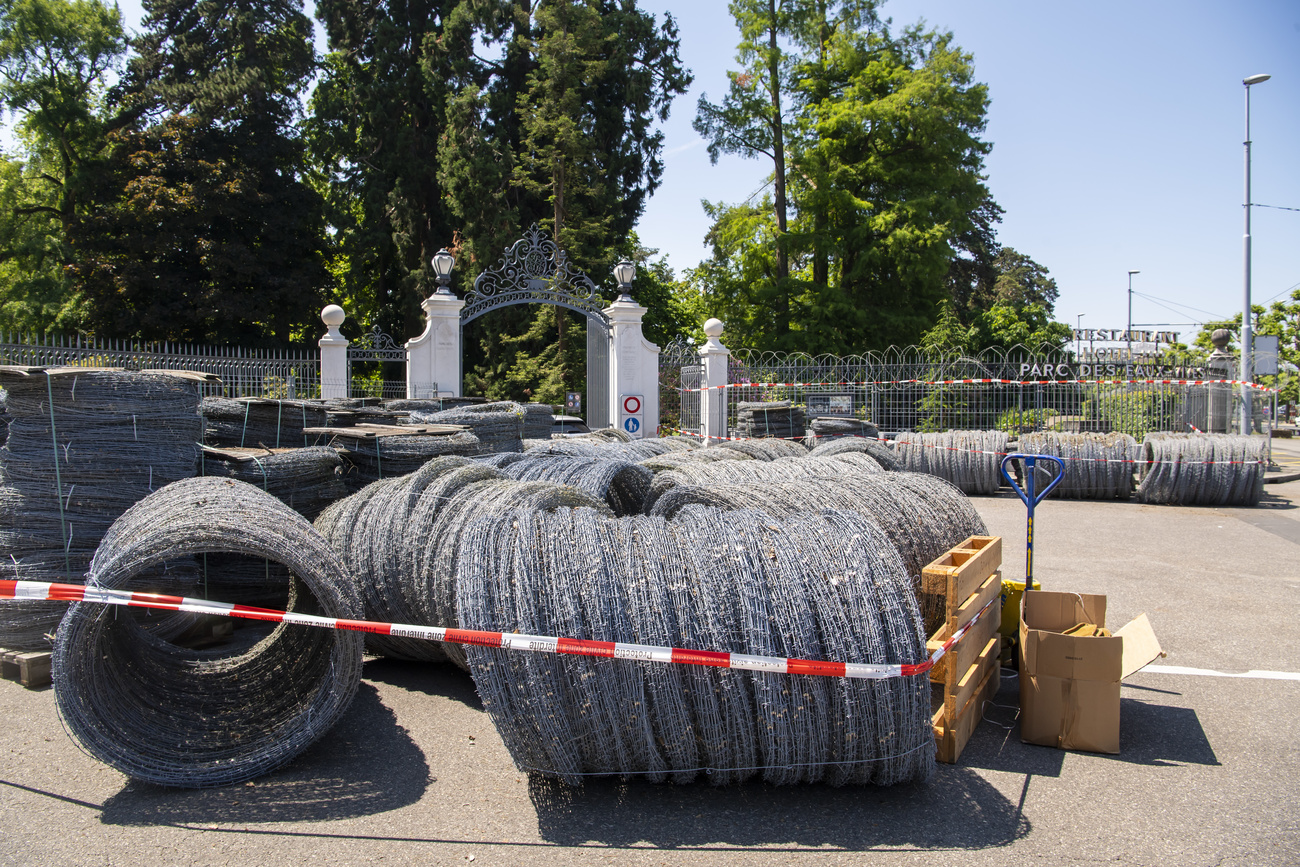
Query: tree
203, 227
55, 58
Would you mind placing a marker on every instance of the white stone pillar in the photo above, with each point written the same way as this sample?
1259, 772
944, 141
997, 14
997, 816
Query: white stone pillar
333, 354
713, 400
433, 358
634, 371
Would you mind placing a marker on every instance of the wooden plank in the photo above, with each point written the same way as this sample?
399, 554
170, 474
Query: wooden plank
960, 692
967, 648
966, 612
951, 736
34, 669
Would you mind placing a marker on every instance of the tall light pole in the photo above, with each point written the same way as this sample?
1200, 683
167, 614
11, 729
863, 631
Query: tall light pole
1128, 334
1247, 338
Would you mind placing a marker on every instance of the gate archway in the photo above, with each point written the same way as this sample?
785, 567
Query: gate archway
535, 270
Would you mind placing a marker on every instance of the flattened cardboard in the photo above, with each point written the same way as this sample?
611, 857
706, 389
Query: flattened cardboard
1070, 685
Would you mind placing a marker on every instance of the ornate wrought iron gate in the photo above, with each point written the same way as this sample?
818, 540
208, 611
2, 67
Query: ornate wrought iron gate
535, 270
373, 349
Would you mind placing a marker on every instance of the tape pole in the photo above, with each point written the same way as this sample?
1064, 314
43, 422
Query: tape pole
47, 591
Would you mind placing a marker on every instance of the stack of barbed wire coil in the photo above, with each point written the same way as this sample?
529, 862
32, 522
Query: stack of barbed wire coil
1202, 469
773, 418
165, 715
816, 584
828, 427
539, 420
970, 459
621, 484
1096, 466
306, 479
73, 465
766, 449
398, 539
672, 460
260, 422
879, 451
389, 456
4, 418
631, 450
498, 426
742, 472
406, 405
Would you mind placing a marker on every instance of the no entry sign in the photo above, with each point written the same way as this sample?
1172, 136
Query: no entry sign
630, 416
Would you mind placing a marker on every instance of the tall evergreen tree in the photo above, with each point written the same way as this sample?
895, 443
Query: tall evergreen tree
204, 227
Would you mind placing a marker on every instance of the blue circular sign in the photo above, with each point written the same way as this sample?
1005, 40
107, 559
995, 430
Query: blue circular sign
631, 425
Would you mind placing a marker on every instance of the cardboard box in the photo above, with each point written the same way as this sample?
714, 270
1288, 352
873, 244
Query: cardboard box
1069, 685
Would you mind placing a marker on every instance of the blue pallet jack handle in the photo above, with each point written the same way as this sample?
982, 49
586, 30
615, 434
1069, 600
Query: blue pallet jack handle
1031, 497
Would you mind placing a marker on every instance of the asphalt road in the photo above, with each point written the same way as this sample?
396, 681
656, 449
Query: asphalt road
417, 775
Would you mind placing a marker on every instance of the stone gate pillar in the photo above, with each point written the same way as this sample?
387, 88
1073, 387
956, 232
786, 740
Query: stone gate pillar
713, 400
633, 373
433, 358
333, 354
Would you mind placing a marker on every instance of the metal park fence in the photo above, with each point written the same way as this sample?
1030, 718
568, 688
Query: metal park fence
244, 372
1017, 390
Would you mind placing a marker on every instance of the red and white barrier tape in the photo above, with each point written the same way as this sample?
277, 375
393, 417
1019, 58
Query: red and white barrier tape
46, 591
1233, 382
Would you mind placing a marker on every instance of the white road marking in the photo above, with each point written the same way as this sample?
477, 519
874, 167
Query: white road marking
1209, 672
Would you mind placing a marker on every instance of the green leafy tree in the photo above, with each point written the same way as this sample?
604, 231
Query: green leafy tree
55, 59
204, 227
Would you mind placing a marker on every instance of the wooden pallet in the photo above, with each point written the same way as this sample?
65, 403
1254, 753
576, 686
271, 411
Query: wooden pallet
32, 669
968, 578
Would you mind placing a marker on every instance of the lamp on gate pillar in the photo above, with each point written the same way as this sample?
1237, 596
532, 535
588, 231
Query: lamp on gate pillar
443, 262
1247, 339
625, 273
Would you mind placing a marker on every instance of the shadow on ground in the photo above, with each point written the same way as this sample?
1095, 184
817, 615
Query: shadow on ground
441, 679
366, 765
975, 815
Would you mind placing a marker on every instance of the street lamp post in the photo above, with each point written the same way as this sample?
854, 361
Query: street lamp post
1128, 334
1247, 337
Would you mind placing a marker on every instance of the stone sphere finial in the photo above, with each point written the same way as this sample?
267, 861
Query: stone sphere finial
713, 328
333, 316
1220, 338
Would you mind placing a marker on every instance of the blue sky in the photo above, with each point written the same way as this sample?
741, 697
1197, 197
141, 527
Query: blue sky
1117, 133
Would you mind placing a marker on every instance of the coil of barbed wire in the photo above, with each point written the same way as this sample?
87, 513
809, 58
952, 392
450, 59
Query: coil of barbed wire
1202, 469
389, 456
198, 718
739, 580
774, 418
768, 449
305, 479
827, 428
1095, 466
970, 459
880, 452
499, 426
921, 515
84, 445
736, 472
621, 484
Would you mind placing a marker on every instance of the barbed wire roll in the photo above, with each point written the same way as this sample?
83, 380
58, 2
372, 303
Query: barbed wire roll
923, 516
621, 484
386, 457
539, 420
306, 479
781, 469
812, 585
970, 459
631, 450
826, 428
879, 451
498, 426
767, 449
1202, 469
1096, 466
673, 460
194, 719
775, 418
260, 422
83, 446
